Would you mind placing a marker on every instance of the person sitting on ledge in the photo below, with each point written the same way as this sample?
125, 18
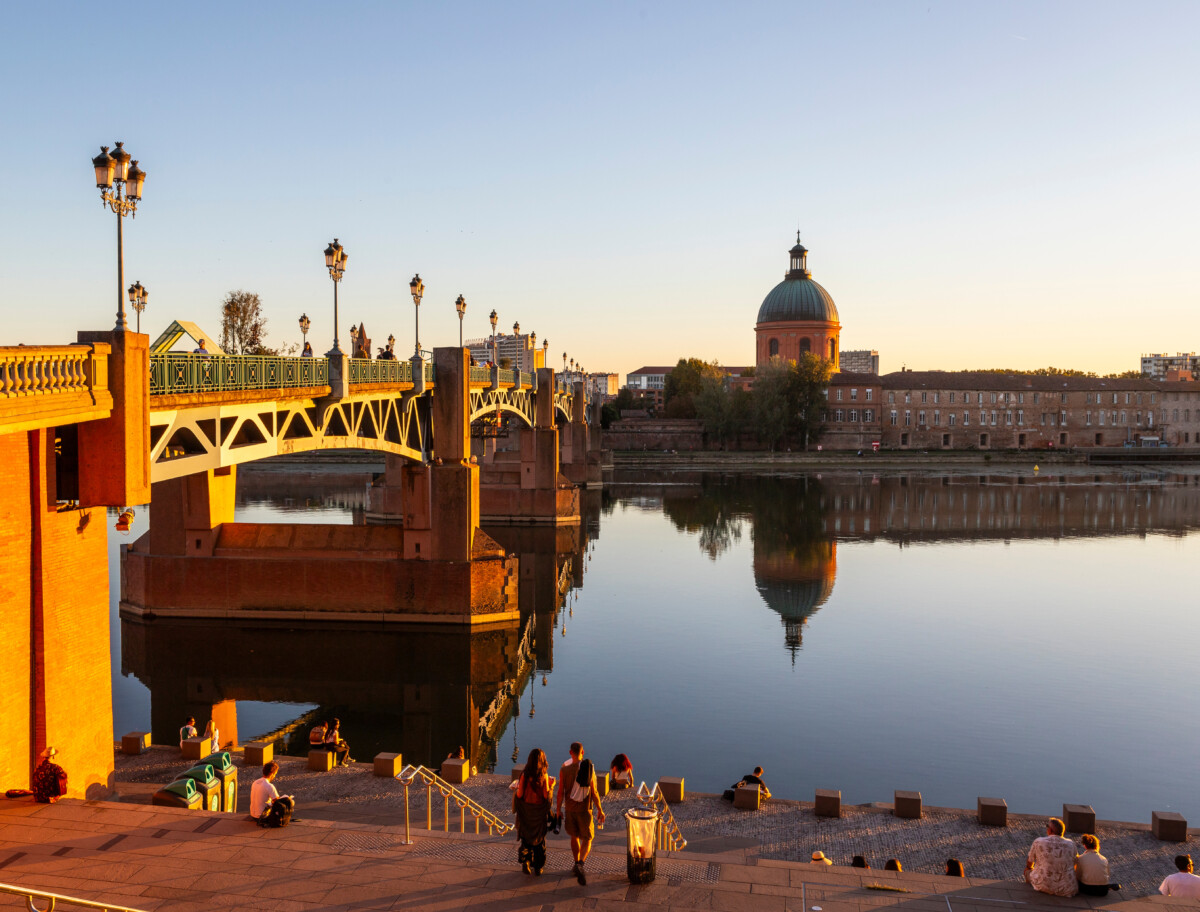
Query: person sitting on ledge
1091, 869
859, 861
622, 772
1184, 882
819, 858
187, 731
335, 745
316, 736
754, 778
1050, 865
49, 779
460, 754
267, 806
954, 868
893, 864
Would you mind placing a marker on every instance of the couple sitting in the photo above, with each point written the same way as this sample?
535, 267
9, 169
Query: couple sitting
328, 736
754, 778
1055, 866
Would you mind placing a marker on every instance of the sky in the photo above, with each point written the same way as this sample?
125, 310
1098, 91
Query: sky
978, 184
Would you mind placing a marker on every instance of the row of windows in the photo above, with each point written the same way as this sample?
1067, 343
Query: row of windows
1006, 398
868, 394
805, 346
994, 418
868, 415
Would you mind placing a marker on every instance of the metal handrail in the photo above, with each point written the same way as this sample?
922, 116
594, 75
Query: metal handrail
184, 372
55, 898
670, 837
432, 780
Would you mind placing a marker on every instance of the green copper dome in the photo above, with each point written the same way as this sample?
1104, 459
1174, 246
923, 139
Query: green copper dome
798, 297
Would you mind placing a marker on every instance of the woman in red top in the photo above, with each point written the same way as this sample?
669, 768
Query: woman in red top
531, 804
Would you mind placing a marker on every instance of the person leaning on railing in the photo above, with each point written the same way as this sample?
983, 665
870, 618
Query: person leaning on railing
308, 352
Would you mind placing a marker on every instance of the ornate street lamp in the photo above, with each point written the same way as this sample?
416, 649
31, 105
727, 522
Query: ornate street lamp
335, 262
545, 353
353, 340
417, 287
460, 305
137, 300
305, 323
492, 319
120, 183
391, 344
564, 362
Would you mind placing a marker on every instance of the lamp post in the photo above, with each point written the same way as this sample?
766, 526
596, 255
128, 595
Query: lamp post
417, 287
492, 319
460, 305
545, 353
353, 340
137, 300
335, 261
120, 184
305, 323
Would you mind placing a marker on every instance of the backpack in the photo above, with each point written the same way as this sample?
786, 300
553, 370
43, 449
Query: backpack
279, 814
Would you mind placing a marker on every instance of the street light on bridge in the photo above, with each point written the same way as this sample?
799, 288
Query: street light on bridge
335, 261
417, 287
305, 323
492, 319
460, 305
137, 300
120, 183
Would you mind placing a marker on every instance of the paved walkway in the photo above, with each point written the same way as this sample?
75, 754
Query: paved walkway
163, 858
781, 830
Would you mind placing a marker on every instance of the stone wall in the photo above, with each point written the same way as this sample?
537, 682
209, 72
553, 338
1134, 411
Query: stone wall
655, 434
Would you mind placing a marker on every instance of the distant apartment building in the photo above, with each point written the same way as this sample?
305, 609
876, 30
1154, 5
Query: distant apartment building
860, 362
648, 382
519, 348
603, 385
1158, 366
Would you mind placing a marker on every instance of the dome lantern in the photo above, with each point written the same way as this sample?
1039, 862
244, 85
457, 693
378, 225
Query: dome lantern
799, 261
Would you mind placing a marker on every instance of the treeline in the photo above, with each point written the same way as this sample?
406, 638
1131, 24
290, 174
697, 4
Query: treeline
1060, 372
785, 405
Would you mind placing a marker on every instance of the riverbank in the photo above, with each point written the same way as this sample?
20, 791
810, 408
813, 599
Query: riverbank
784, 830
967, 460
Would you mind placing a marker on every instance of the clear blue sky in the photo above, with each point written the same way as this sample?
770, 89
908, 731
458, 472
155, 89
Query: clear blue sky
980, 184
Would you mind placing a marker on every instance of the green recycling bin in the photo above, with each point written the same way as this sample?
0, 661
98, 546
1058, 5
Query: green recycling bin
207, 784
222, 765
180, 794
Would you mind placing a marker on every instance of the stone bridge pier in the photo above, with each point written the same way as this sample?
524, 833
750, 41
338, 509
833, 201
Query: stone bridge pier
437, 567
525, 485
581, 454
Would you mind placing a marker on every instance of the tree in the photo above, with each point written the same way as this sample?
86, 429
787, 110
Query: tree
772, 411
789, 399
724, 411
809, 383
684, 383
624, 398
243, 326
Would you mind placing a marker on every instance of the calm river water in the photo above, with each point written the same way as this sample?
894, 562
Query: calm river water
1019, 634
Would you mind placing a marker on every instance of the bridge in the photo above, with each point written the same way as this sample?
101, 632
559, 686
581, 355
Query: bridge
106, 423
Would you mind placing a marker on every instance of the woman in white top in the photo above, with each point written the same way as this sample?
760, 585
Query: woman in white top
1091, 869
213, 736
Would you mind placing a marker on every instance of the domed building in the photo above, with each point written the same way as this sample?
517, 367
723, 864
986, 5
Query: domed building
798, 316
795, 586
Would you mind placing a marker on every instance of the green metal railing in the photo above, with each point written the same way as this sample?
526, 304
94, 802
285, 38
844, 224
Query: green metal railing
481, 375
179, 373
526, 379
509, 377
363, 370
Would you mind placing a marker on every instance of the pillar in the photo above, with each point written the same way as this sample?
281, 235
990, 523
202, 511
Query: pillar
186, 513
453, 481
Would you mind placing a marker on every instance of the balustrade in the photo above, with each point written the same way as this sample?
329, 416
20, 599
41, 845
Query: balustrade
46, 370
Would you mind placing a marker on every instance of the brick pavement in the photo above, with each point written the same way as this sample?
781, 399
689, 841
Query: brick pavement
163, 858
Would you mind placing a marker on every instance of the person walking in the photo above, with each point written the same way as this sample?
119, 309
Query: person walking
49, 779
531, 804
577, 789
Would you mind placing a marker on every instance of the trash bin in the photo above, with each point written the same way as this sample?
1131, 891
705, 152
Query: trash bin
207, 784
226, 772
642, 827
180, 794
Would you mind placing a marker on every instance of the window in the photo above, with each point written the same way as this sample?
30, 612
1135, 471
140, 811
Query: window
1124, 419
869, 394
993, 417
983, 438
1153, 395
1035, 398
982, 417
966, 419
1114, 402
853, 395
1101, 417
854, 415
1087, 420
1008, 418
993, 400
1127, 398
903, 440
937, 418
893, 416
1062, 418
907, 397
945, 440
1139, 398
869, 415
1020, 416
921, 418
1043, 419
950, 419
1139, 418
806, 344
907, 418
891, 398
1021, 398
936, 398
773, 348
1174, 415
837, 416
924, 397
1062, 397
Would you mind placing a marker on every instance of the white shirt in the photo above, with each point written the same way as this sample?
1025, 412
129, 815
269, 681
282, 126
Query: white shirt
216, 741
188, 731
1181, 884
262, 793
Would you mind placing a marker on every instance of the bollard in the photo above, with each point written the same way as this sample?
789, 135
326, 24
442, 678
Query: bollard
828, 803
907, 805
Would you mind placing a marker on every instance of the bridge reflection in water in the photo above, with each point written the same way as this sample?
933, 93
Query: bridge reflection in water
421, 690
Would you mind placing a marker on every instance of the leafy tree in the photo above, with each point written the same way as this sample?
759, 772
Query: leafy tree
772, 410
789, 399
608, 414
684, 383
624, 398
1125, 375
243, 326
809, 383
724, 411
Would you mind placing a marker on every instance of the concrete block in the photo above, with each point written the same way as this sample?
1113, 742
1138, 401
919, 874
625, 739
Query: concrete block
135, 742
1079, 818
747, 797
907, 805
992, 811
320, 761
601, 783
828, 803
388, 765
518, 772
1168, 826
258, 753
456, 772
671, 789
196, 748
